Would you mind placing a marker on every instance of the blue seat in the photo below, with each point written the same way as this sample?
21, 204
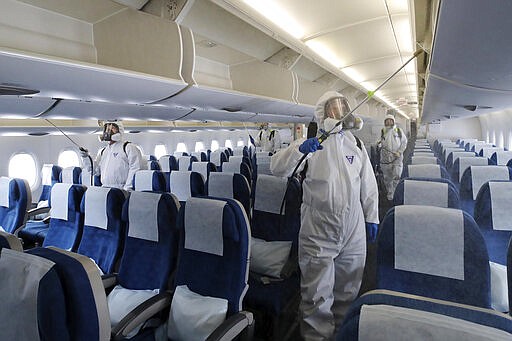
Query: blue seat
218, 157
501, 157
185, 162
71, 175
103, 231
149, 180
454, 156
15, 198
185, 184
203, 168
148, 260
447, 151
10, 241
487, 152
154, 165
230, 186
391, 315
423, 191
200, 156
274, 290
212, 263
425, 171
37, 310
509, 275
168, 163
494, 216
434, 252
238, 167
462, 163
473, 179
50, 175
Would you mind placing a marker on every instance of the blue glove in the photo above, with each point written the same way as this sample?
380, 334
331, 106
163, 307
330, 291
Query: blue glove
311, 145
372, 229
252, 140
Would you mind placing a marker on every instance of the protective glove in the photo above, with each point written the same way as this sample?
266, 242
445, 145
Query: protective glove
311, 145
84, 153
252, 140
372, 229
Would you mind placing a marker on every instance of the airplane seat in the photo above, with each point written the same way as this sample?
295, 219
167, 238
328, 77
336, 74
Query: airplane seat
168, 163
238, 168
204, 168
453, 156
426, 192
152, 158
186, 184
462, 163
218, 158
37, 311
211, 278
487, 152
392, 315
474, 177
230, 186
477, 146
154, 165
103, 232
230, 151
185, 162
86, 303
178, 154
434, 252
10, 241
447, 151
148, 260
15, 198
66, 219
70, 175
149, 180
424, 160
425, 171
200, 156
501, 157
241, 159
274, 284
50, 175
261, 164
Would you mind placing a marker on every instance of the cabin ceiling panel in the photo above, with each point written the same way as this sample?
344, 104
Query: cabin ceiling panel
14, 106
68, 80
99, 110
89, 11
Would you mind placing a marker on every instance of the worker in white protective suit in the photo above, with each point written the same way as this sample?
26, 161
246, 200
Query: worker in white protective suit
392, 146
269, 140
117, 163
339, 195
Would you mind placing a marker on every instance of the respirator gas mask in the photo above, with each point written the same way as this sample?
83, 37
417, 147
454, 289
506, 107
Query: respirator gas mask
110, 133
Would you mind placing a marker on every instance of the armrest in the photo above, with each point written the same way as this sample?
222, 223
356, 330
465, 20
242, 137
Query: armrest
38, 210
47, 220
233, 327
141, 314
109, 280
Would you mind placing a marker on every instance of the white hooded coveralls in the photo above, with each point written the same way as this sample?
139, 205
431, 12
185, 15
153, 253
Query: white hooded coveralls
390, 164
266, 143
116, 167
339, 194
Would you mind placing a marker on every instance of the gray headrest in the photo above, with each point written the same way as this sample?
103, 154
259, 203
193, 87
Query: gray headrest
488, 151
481, 174
466, 162
231, 167
143, 215
60, 197
46, 174
203, 225
96, 207
501, 202
164, 163
428, 193
236, 159
144, 180
502, 157
424, 171
201, 168
183, 163
4, 191
67, 175
423, 160
180, 184
270, 191
429, 240
220, 185
456, 155
215, 157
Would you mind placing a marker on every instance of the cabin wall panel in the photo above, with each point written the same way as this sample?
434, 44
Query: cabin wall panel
457, 128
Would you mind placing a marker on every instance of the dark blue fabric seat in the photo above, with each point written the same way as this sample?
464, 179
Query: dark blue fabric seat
501, 158
149, 180
168, 163
71, 175
434, 252
15, 198
185, 184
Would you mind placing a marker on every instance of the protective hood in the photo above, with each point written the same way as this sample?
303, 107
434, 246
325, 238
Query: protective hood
320, 106
389, 116
107, 136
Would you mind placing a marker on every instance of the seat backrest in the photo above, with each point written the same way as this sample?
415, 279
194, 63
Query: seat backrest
178, 154
453, 156
86, 304
434, 252
214, 253
448, 150
493, 214
33, 301
470, 146
475, 176
203, 168
103, 232
154, 165
501, 157
424, 160
218, 157
151, 241
185, 162
477, 146
149, 180
488, 151
50, 174
67, 220
71, 175
186, 184
240, 168
10, 241
397, 316
230, 186
15, 197
425, 192
168, 163
463, 162
425, 171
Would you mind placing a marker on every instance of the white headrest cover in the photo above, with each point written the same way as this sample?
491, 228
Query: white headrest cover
428, 193
67, 175
424, 171
270, 191
164, 163
46, 175
180, 184
220, 185
144, 180
5, 183
481, 174
215, 157
501, 202
96, 207
201, 168
236, 159
60, 198
429, 240
231, 167
143, 215
203, 225
183, 163
466, 162
502, 157
423, 160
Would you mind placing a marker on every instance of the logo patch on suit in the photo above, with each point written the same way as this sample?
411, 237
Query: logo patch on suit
350, 158
115, 155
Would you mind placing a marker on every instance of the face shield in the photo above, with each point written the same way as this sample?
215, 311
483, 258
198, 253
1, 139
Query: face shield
336, 108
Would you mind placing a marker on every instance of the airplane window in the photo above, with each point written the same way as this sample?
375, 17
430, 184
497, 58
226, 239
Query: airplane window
240, 143
68, 158
199, 146
181, 147
23, 165
228, 144
214, 146
160, 150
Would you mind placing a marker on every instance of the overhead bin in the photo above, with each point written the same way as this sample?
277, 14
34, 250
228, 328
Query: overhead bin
13, 106
309, 92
